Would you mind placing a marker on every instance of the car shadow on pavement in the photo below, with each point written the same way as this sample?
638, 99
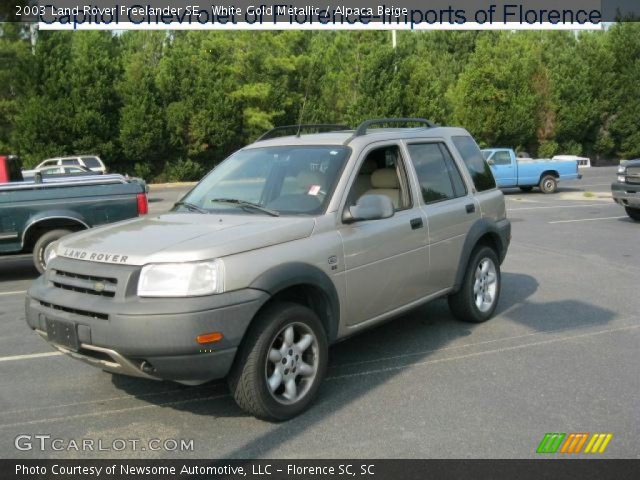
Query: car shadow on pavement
17, 268
628, 219
537, 193
549, 315
363, 363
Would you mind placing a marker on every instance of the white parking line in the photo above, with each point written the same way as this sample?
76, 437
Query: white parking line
483, 352
111, 412
29, 356
586, 219
332, 377
603, 204
6, 294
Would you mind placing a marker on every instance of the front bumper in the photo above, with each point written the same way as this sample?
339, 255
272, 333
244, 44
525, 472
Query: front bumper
626, 194
150, 338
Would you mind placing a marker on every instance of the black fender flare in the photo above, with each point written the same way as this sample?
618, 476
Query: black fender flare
292, 274
500, 232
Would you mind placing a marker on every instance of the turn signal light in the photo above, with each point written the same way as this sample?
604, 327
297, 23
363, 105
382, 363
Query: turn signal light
209, 338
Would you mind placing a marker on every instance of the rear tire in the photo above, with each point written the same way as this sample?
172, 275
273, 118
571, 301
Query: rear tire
281, 363
478, 298
41, 245
634, 213
526, 189
549, 184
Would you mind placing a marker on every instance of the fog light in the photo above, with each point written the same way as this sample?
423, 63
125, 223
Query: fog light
621, 178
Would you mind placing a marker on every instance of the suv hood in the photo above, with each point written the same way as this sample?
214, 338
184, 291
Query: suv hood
630, 163
182, 237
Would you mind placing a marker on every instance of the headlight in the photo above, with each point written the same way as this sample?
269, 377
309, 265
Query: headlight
621, 178
50, 252
622, 169
181, 279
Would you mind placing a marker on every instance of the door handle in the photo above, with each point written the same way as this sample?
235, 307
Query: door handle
471, 208
416, 223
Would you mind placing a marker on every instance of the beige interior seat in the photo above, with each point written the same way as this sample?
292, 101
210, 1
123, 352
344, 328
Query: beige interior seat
384, 181
363, 180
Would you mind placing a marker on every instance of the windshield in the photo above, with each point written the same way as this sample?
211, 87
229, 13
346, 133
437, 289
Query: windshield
486, 154
285, 180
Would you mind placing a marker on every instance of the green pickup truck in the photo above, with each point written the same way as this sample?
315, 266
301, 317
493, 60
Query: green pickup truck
33, 215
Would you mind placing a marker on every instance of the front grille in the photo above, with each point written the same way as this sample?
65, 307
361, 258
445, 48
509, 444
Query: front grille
102, 286
75, 311
633, 175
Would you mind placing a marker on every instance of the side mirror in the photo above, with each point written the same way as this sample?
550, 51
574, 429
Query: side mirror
491, 162
369, 207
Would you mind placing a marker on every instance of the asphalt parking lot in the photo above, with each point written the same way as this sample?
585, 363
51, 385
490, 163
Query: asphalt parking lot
561, 355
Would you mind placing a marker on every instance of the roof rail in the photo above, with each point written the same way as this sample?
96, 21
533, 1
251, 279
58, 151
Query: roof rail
327, 127
362, 128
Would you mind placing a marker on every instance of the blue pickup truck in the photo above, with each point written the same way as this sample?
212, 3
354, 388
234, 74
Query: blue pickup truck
526, 173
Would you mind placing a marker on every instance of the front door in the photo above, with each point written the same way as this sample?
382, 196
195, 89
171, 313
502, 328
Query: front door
386, 260
503, 169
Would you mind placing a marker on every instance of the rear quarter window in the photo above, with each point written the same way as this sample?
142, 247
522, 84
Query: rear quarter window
91, 162
475, 162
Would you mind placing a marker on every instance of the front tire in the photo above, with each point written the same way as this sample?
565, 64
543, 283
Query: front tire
634, 213
41, 245
281, 363
548, 184
478, 298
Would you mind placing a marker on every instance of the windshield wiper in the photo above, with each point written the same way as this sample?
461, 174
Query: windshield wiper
245, 204
191, 206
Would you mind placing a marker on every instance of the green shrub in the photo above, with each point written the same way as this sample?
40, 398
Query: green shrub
183, 170
548, 148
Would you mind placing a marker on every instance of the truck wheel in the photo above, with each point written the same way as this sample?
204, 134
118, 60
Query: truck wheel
526, 189
634, 213
41, 245
281, 362
548, 184
477, 299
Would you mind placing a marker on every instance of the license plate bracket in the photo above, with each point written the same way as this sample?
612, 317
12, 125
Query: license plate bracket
63, 334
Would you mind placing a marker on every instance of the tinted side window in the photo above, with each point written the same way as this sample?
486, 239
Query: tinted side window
91, 162
473, 159
458, 183
433, 173
70, 161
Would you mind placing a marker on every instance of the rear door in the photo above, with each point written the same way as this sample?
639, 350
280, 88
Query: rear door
449, 207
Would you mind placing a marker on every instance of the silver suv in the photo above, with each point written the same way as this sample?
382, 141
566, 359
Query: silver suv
291, 244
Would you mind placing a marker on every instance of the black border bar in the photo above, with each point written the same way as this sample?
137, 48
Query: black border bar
556, 468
